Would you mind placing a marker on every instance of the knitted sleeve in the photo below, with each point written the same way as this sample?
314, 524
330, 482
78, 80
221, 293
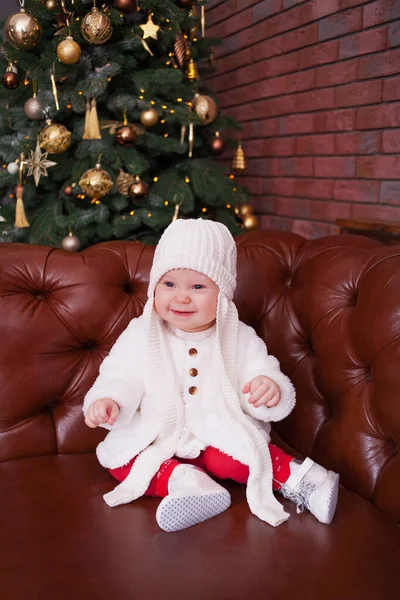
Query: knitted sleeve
253, 360
120, 377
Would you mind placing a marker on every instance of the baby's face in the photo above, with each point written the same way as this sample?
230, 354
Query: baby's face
187, 300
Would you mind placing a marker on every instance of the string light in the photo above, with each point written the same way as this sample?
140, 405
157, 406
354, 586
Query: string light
179, 99
172, 112
141, 97
204, 210
164, 106
152, 102
142, 90
132, 213
231, 177
162, 121
166, 203
80, 93
187, 179
155, 179
228, 206
165, 135
149, 215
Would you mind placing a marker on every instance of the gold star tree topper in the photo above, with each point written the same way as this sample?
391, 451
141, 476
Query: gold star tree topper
38, 164
150, 29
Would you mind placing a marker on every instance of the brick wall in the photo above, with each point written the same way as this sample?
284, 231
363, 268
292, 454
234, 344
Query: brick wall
316, 85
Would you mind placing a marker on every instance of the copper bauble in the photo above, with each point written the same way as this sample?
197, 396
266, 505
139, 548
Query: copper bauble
96, 27
69, 51
10, 80
149, 117
245, 209
217, 145
33, 109
52, 5
185, 3
54, 138
68, 190
71, 243
96, 182
125, 135
125, 6
22, 30
206, 108
138, 189
250, 222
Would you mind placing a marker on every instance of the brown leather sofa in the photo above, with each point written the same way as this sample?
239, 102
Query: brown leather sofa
329, 309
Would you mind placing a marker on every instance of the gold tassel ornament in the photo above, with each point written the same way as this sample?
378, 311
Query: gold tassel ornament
54, 89
203, 20
91, 129
191, 139
183, 133
239, 162
191, 72
20, 216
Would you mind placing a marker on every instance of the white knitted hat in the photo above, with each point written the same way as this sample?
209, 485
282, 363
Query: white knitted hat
200, 245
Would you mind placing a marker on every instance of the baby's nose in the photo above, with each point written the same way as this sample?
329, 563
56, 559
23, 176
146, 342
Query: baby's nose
183, 298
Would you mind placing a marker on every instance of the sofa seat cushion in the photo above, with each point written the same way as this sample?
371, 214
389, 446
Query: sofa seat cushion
67, 545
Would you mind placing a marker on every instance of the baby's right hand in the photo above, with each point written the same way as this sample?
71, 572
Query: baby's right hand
103, 411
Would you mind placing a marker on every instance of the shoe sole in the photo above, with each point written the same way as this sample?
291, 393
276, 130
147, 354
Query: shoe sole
332, 500
176, 513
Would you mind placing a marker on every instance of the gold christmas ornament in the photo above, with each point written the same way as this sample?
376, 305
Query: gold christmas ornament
91, 129
20, 216
125, 135
38, 164
245, 209
69, 51
71, 243
192, 72
22, 30
52, 5
139, 189
194, 13
206, 108
54, 138
96, 183
239, 162
250, 222
149, 117
96, 27
150, 29
124, 182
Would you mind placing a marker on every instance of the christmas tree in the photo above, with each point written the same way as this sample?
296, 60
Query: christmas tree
107, 130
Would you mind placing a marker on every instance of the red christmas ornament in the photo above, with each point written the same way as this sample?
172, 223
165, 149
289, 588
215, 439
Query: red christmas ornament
125, 135
68, 190
10, 80
217, 145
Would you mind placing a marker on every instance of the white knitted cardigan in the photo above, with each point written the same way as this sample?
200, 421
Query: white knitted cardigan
252, 449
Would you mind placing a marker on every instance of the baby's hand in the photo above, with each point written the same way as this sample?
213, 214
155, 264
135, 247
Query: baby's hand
103, 411
263, 390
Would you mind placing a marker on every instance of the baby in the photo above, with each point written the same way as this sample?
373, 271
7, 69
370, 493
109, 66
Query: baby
188, 392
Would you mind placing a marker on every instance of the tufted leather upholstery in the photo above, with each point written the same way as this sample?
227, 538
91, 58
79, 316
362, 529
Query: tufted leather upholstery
329, 309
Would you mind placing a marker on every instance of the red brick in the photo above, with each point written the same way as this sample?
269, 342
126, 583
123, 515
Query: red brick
356, 191
391, 141
283, 186
317, 55
264, 128
317, 9
335, 166
376, 65
339, 24
335, 120
376, 211
297, 82
390, 192
365, 142
299, 38
279, 146
364, 42
391, 89
302, 123
315, 100
342, 72
315, 144
379, 117
349, 3
312, 229
314, 188
363, 92
296, 166
236, 22
381, 12
263, 10
378, 167
394, 34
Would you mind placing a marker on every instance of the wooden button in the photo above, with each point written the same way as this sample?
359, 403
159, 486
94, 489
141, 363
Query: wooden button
192, 390
193, 372
192, 351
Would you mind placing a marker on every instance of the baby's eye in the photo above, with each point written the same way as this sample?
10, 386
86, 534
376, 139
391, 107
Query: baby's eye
198, 286
168, 284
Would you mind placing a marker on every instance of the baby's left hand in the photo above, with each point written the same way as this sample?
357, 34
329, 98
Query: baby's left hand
263, 390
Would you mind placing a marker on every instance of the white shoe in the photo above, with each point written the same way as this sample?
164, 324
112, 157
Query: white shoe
313, 487
193, 497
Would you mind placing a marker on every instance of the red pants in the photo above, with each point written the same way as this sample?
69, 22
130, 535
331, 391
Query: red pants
215, 463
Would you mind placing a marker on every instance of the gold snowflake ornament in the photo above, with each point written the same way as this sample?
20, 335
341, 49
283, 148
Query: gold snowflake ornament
38, 164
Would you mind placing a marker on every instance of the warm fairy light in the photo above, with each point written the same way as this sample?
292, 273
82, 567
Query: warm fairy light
141, 97
171, 54
231, 177
26, 81
152, 102
149, 215
172, 112
164, 106
162, 121
97, 202
132, 213
155, 179
228, 206
69, 105
175, 66
204, 210
27, 137
11, 196
165, 135
236, 211
166, 203
168, 62
195, 39
142, 90
189, 103
4, 166
234, 189
108, 78
179, 99
80, 93
187, 179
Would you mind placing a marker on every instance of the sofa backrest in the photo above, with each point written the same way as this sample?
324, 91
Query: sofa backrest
329, 309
